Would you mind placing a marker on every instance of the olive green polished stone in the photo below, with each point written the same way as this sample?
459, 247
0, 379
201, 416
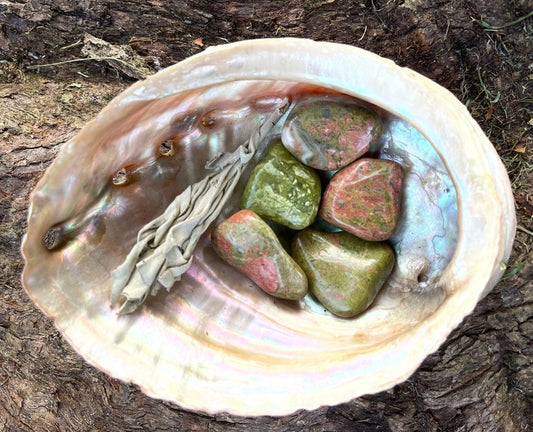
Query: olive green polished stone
282, 189
345, 273
246, 242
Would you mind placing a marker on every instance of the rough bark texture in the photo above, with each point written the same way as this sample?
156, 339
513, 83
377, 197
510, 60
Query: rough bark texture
481, 379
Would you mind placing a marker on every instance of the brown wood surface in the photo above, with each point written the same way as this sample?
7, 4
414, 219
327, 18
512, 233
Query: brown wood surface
481, 379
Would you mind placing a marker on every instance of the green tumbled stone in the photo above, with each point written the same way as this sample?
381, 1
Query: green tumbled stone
282, 189
247, 243
345, 273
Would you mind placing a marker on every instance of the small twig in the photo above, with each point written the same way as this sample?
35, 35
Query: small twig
72, 45
490, 27
59, 63
78, 60
364, 33
525, 230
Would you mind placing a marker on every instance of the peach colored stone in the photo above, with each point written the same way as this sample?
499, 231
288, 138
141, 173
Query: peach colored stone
364, 198
247, 243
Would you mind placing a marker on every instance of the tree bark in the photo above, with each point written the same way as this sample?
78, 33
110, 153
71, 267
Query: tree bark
481, 379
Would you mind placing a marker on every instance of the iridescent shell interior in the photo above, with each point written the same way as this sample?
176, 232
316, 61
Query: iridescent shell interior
216, 342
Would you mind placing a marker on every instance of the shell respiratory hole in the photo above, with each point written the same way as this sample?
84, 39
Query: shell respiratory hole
120, 178
167, 148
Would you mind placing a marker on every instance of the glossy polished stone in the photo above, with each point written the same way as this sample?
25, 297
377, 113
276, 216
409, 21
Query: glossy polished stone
364, 198
344, 272
327, 133
282, 189
247, 243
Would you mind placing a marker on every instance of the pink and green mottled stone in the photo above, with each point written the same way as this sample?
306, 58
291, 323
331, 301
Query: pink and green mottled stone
345, 273
330, 132
247, 243
282, 189
364, 198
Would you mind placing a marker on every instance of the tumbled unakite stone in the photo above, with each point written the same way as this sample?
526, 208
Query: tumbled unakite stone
330, 132
282, 189
345, 273
247, 243
364, 198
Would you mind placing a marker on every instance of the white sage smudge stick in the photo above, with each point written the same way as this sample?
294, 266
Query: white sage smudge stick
165, 246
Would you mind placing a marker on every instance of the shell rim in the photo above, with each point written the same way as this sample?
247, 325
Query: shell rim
482, 282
